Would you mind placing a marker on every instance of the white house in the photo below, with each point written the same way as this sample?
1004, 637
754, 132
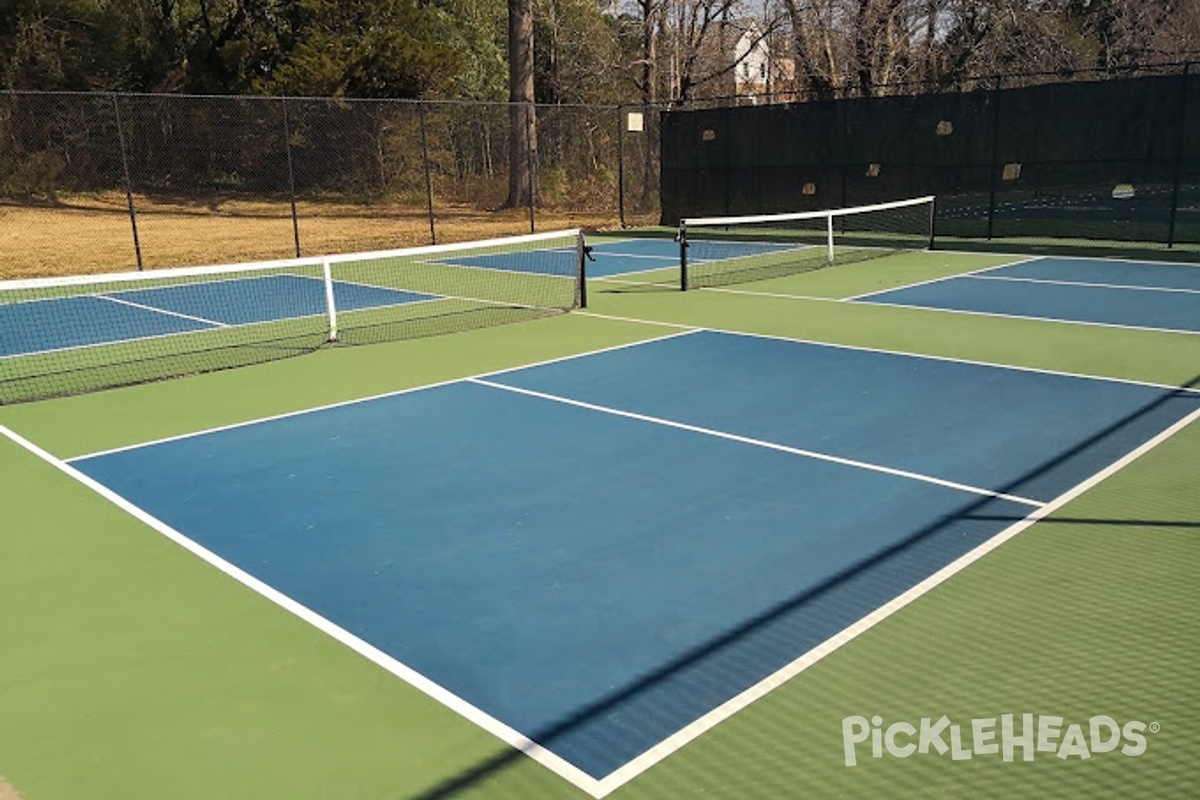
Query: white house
758, 77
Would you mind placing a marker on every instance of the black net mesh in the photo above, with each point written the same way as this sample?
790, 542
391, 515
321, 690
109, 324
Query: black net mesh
729, 250
70, 335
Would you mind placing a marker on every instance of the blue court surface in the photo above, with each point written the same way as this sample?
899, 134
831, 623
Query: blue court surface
608, 258
60, 323
599, 551
1123, 293
624, 257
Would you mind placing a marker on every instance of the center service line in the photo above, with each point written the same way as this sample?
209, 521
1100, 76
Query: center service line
916, 476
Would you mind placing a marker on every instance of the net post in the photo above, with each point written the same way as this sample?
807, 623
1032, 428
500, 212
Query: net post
581, 255
932, 220
829, 234
330, 307
681, 237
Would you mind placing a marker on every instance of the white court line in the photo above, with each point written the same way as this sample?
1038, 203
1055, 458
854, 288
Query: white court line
275, 320
390, 289
158, 310
1055, 320
1130, 286
380, 396
412, 677
153, 278
196, 332
615, 318
687, 734
864, 300
148, 337
1103, 259
621, 278
428, 297
778, 295
966, 274
670, 266
733, 437
690, 732
122, 341
884, 351
669, 259
458, 264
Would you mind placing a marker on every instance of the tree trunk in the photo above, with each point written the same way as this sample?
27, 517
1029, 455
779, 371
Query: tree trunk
522, 129
651, 10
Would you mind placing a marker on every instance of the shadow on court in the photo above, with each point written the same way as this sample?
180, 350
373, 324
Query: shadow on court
621, 285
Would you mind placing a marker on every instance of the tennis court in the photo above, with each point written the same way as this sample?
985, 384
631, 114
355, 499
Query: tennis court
60, 323
1101, 292
662, 546
349, 512
52, 323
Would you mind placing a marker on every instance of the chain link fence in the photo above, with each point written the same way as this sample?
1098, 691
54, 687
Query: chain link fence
103, 182
1088, 162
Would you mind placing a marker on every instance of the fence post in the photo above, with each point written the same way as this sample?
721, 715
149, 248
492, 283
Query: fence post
428, 173
291, 173
621, 165
991, 217
1177, 167
531, 154
137, 245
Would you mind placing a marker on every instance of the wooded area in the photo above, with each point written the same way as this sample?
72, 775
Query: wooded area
586, 51
314, 102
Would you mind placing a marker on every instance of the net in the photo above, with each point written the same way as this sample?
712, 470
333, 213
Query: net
75, 334
718, 251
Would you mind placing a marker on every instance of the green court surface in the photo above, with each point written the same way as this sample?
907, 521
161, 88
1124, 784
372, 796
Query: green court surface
131, 669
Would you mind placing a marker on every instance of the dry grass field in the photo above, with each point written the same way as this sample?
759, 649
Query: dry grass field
7, 790
81, 234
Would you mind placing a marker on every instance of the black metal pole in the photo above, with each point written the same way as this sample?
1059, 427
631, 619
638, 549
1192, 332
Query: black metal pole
428, 176
683, 261
583, 252
932, 222
621, 165
531, 154
137, 245
1177, 167
991, 216
291, 172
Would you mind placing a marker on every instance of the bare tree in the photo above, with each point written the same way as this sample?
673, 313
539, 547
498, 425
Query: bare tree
865, 45
1129, 32
700, 36
818, 44
650, 15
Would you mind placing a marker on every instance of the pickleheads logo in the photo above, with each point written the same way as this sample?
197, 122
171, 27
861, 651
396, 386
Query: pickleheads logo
1006, 737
